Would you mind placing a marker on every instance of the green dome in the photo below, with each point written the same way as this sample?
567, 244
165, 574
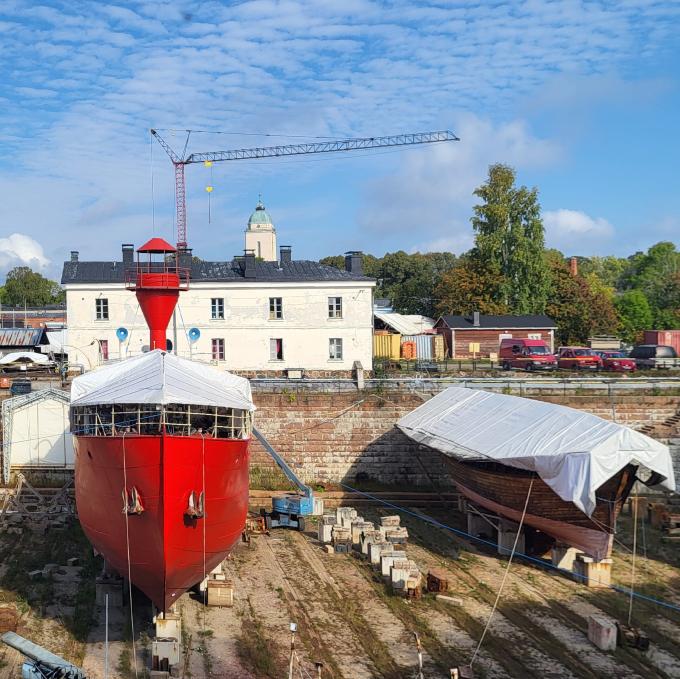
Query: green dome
260, 216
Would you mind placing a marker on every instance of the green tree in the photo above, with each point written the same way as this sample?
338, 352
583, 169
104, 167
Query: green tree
468, 288
610, 270
578, 309
635, 314
25, 286
509, 240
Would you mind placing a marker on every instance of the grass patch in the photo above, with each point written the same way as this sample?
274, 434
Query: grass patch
255, 648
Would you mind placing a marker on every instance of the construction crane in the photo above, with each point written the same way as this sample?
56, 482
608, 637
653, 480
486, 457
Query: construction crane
179, 161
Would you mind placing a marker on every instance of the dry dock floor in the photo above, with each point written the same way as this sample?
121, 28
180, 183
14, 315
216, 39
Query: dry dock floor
346, 616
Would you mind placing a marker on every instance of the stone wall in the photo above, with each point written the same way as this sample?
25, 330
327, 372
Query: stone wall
335, 435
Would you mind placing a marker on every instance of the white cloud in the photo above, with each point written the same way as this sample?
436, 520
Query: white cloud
575, 230
17, 249
428, 201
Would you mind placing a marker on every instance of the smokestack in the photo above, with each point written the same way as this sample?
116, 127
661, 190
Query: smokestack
249, 264
354, 262
74, 255
475, 318
573, 266
285, 254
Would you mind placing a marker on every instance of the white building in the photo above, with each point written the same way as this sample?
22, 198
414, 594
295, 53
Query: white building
251, 315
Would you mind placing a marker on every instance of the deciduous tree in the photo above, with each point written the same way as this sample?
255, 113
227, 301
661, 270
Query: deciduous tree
25, 286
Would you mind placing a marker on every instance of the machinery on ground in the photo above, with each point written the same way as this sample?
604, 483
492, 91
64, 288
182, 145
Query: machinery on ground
289, 510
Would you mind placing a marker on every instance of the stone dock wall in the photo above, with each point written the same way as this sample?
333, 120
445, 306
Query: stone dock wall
332, 432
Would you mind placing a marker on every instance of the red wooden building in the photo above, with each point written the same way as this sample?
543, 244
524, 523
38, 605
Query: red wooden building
460, 332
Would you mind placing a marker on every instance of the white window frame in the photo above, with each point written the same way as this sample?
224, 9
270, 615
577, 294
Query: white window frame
272, 349
335, 307
335, 343
276, 308
535, 336
219, 344
217, 308
101, 309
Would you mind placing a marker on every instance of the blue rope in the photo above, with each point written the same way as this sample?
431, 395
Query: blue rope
527, 557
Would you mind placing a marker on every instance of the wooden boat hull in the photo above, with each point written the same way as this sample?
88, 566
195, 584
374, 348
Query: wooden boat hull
503, 490
167, 550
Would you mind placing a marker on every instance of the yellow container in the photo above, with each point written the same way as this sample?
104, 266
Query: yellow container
438, 349
387, 346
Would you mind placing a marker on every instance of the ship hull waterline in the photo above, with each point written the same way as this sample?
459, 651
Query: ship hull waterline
503, 491
164, 550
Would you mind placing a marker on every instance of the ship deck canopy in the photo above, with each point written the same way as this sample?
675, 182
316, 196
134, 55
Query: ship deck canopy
158, 377
572, 451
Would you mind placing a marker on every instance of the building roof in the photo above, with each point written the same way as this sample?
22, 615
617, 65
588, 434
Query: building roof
224, 272
157, 245
412, 324
260, 215
20, 337
497, 322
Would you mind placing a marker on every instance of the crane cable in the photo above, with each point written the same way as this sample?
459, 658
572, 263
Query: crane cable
127, 545
505, 575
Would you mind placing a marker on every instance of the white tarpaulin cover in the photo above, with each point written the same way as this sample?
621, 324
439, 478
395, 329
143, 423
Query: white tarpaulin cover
159, 377
574, 452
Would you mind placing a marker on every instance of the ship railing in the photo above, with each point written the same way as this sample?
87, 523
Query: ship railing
157, 275
153, 419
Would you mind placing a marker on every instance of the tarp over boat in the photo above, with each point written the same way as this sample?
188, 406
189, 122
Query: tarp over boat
574, 452
160, 377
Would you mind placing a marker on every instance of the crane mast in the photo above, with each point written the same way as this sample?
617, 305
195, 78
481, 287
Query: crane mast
331, 146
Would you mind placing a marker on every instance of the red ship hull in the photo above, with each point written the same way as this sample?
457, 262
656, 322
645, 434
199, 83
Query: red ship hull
169, 552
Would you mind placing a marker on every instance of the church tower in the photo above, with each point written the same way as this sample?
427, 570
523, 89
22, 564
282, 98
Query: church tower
261, 234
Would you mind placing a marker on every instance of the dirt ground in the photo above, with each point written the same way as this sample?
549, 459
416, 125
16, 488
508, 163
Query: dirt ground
347, 618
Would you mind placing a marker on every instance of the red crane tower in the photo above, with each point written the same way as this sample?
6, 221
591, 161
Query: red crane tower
331, 146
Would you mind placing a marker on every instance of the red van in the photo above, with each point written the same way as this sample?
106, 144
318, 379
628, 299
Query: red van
526, 354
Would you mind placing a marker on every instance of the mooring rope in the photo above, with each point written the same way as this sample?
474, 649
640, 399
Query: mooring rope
505, 575
127, 545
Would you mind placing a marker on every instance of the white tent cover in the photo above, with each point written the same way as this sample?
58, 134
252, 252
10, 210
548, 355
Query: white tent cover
160, 377
574, 452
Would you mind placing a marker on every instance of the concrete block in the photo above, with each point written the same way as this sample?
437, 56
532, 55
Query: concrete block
329, 549
220, 577
35, 575
390, 521
593, 573
476, 525
563, 556
220, 593
368, 538
453, 600
166, 649
386, 561
375, 549
73, 561
159, 674
343, 547
399, 572
398, 535
169, 626
113, 587
50, 568
507, 532
358, 529
602, 632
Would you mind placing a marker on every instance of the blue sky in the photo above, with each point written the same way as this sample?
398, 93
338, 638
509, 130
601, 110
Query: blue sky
581, 97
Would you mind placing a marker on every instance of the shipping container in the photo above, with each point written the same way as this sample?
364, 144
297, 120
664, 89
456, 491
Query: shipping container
387, 346
669, 338
423, 345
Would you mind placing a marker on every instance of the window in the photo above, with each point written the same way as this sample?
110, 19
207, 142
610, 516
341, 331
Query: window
335, 307
275, 308
535, 336
101, 308
335, 349
218, 349
104, 349
276, 349
217, 307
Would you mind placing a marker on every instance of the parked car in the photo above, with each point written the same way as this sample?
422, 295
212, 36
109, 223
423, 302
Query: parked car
526, 354
578, 358
655, 356
616, 361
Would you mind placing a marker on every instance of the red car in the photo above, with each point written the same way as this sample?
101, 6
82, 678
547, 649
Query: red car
578, 358
617, 361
